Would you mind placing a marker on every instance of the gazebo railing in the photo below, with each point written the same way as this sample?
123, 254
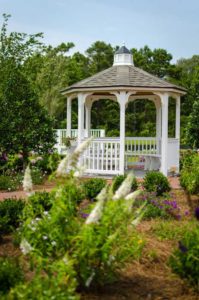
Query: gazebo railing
62, 134
102, 156
142, 145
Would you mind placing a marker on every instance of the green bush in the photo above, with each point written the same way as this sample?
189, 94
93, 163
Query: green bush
10, 183
92, 187
49, 231
185, 260
156, 182
189, 177
118, 181
53, 161
10, 274
97, 248
37, 204
58, 282
37, 175
10, 214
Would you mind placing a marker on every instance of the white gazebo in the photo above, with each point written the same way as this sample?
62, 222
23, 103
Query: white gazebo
123, 82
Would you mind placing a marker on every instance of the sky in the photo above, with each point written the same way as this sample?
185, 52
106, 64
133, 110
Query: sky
169, 24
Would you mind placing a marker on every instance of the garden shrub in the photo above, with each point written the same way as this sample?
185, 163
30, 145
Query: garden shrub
53, 161
156, 182
93, 186
101, 249
10, 182
189, 177
10, 214
47, 285
185, 260
96, 250
10, 274
163, 207
49, 232
37, 204
37, 175
118, 181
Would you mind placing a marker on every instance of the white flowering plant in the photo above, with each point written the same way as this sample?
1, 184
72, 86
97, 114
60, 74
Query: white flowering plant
96, 247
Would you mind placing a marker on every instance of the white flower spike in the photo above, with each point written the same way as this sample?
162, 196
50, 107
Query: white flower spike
125, 187
27, 181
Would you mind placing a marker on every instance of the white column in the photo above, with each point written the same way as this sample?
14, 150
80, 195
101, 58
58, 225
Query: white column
158, 120
88, 118
68, 120
164, 149
122, 99
177, 129
81, 100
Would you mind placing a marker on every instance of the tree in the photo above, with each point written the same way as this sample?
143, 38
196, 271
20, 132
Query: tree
156, 62
100, 56
25, 125
193, 126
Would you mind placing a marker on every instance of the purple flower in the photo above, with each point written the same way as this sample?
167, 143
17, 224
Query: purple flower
178, 217
197, 213
186, 213
182, 247
84, 215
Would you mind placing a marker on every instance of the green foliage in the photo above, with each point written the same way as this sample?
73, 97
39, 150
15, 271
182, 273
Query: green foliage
189, 176
156, 62
10, 214
53, 161
10, 274
168, 230
7, 183
193, 124
45, 285
156, 182
37, 204
185, 260
154, 211
57, 238
37, 175
25, 124
51, 220
118, 181
102, 249
93, 186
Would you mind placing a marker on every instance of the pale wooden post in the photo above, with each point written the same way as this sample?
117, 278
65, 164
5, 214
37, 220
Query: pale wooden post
177, 128
68, 120
81, 100
158, 125
88, 106
122, 99
177, 131
164, 152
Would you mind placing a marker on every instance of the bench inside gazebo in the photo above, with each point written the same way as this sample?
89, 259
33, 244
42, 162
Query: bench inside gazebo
123, 82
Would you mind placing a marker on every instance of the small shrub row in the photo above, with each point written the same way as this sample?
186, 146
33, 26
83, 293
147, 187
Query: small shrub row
10, 214
10, 274
189, 177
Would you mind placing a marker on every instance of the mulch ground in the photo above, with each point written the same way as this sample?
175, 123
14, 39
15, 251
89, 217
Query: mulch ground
150, 278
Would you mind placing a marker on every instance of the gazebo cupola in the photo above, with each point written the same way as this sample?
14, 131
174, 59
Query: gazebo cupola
123, 57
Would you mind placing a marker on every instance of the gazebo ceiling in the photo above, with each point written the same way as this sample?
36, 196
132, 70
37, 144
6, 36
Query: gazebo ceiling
122, 74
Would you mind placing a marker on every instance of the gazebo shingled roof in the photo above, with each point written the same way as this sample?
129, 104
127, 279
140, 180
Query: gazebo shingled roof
123, 76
